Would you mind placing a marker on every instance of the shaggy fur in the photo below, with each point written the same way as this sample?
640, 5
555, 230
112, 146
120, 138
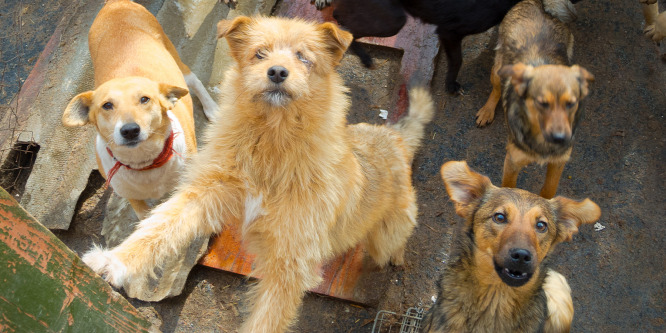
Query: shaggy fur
285, 168
498, 278
541, 92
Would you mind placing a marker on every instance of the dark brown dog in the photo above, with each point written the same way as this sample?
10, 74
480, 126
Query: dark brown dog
498, 279
541, 92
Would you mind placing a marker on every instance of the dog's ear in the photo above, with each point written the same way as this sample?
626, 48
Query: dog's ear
464, 186
572, 214
520, 75
583, 78
172, 93
78, 110
234, 31
337, 40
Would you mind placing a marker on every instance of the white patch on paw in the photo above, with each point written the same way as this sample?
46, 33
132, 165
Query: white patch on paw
105, 263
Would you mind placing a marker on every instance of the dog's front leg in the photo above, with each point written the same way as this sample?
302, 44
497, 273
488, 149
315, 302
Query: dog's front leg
514, 162
553, 174
191, 212
277, 297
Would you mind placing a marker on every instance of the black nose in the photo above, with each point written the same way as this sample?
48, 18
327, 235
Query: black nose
558, 138
277, 74
130, 131
520, 256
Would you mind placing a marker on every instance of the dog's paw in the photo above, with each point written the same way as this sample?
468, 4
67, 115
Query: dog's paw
657, 31
321, 4
107, 265
454, 88
485, 116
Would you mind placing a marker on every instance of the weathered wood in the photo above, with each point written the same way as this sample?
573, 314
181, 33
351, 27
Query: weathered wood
45, 287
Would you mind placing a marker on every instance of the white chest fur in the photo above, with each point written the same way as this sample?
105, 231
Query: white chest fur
147, 184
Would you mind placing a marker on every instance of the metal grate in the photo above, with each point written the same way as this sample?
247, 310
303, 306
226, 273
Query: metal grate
387, 321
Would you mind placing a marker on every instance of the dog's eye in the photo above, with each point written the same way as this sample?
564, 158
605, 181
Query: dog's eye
543, 104
541, 226
107, 106
499, 218
570, 105
300, 57
144, 100
258, 55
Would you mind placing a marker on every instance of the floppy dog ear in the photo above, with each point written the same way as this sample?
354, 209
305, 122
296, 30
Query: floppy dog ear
571, 214
520, 74
78, 110
583, 78
337, 40
464, 186
172, 93
234, 30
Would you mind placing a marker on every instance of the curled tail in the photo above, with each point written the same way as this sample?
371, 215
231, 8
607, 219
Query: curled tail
421, 111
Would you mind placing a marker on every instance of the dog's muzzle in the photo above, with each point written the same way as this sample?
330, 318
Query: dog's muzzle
517, 269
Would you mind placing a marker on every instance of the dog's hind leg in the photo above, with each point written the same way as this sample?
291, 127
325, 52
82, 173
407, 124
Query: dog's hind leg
388, 240
210, 108
193, 211
553, 174
453, 48
486, 114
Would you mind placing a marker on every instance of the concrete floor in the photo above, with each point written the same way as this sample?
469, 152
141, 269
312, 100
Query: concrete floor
616, 274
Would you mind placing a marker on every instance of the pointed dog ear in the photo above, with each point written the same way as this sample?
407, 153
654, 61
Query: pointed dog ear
172, 94
234, 30
337, 40
520, 75
464, 186
572, 214
583, 78
78, 110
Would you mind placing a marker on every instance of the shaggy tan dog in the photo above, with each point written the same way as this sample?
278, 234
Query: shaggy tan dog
282, 164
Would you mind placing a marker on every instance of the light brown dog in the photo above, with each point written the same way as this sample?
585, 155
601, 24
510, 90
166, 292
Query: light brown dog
142, 112
541, 92
300, 184
498, 279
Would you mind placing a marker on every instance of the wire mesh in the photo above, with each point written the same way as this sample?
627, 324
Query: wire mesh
389, 322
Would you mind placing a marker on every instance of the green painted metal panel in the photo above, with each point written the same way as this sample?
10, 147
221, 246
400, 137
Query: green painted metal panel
45, 287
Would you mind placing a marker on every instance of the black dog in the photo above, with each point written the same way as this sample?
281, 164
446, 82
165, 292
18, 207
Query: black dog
454, 19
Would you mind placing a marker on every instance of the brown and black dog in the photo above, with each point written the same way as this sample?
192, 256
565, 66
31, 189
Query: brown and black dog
498, 280
541, 92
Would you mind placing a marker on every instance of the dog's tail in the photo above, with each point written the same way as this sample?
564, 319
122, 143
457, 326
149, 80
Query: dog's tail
411, 126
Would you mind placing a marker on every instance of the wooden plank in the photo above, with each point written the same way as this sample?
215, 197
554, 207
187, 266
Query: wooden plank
46, 287
340, 274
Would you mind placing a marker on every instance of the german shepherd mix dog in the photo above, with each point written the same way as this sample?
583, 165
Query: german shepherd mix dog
498, 278
455, 19
541, 92
285, 168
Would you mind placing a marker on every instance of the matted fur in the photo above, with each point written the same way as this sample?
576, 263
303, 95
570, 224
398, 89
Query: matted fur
282, 164
473, 297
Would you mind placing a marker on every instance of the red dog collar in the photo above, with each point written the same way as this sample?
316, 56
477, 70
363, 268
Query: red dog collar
163, 158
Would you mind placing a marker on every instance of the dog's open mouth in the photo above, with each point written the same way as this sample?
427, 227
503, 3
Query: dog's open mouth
513, 277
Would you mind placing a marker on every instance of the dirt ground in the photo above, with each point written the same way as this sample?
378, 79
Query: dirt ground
617, 274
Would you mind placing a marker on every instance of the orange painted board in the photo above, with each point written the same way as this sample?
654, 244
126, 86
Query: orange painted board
340, 274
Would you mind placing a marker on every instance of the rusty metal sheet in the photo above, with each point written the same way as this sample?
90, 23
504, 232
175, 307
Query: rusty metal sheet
341, 275
44, 286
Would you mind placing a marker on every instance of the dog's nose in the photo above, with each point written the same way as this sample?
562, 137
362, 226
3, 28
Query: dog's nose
277, 74
558, 138
130, 131
520, 256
